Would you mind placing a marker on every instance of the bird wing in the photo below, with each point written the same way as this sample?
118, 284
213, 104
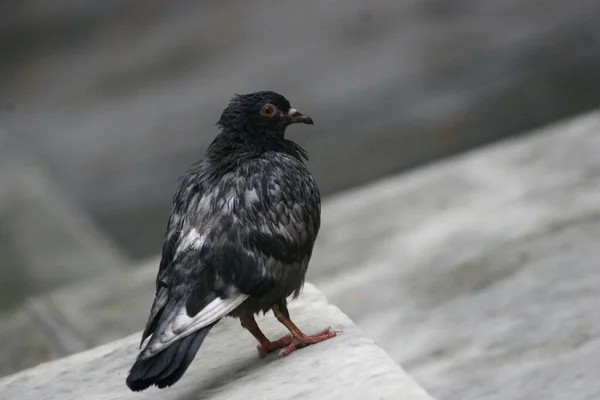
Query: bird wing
170, 243
228, 243
189, 295
181, 324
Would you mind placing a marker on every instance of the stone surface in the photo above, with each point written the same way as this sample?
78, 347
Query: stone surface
45, 238
76, 317
120, 97
349, 366
479, 274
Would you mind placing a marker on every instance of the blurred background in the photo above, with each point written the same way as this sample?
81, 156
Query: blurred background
103, 104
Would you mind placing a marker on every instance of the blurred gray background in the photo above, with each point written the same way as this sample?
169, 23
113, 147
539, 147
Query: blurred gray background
119, 97
103, 104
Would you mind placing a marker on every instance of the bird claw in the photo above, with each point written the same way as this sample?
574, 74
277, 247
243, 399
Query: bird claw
264, 349
291, 343
303, 341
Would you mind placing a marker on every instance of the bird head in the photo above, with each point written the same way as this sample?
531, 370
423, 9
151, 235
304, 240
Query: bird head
264, 113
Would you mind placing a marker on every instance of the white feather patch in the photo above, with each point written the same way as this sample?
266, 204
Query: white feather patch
192, 240
182, 324
250, 197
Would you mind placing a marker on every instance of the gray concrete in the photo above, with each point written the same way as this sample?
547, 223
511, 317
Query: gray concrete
46, 240
120, 97
76, 317
349, 366
479, 274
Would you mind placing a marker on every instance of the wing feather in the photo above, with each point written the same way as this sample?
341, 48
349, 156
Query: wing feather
182, 324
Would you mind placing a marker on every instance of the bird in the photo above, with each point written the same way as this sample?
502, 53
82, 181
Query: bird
238, 242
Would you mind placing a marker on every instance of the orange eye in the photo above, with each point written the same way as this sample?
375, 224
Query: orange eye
268, 110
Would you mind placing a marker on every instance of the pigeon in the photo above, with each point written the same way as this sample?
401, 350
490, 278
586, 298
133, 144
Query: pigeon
238, 242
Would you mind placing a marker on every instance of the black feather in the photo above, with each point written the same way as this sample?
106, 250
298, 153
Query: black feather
151, 325
168, 366
243, 221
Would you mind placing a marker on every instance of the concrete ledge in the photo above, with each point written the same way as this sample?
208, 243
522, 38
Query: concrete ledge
479, 274
350, 366
76, 317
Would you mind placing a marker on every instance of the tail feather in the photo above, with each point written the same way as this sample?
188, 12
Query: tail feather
168, 366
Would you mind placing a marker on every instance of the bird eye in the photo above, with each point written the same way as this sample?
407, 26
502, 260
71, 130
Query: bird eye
268, 110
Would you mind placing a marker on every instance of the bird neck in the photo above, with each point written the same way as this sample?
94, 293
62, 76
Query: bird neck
231, 147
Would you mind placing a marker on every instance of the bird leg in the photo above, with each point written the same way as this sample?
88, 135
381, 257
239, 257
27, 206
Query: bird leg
265, 345
299, 339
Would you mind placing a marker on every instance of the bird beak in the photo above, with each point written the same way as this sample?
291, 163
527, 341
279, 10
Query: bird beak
293, 116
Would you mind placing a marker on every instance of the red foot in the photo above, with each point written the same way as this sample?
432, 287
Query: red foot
264, 349
302, 341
